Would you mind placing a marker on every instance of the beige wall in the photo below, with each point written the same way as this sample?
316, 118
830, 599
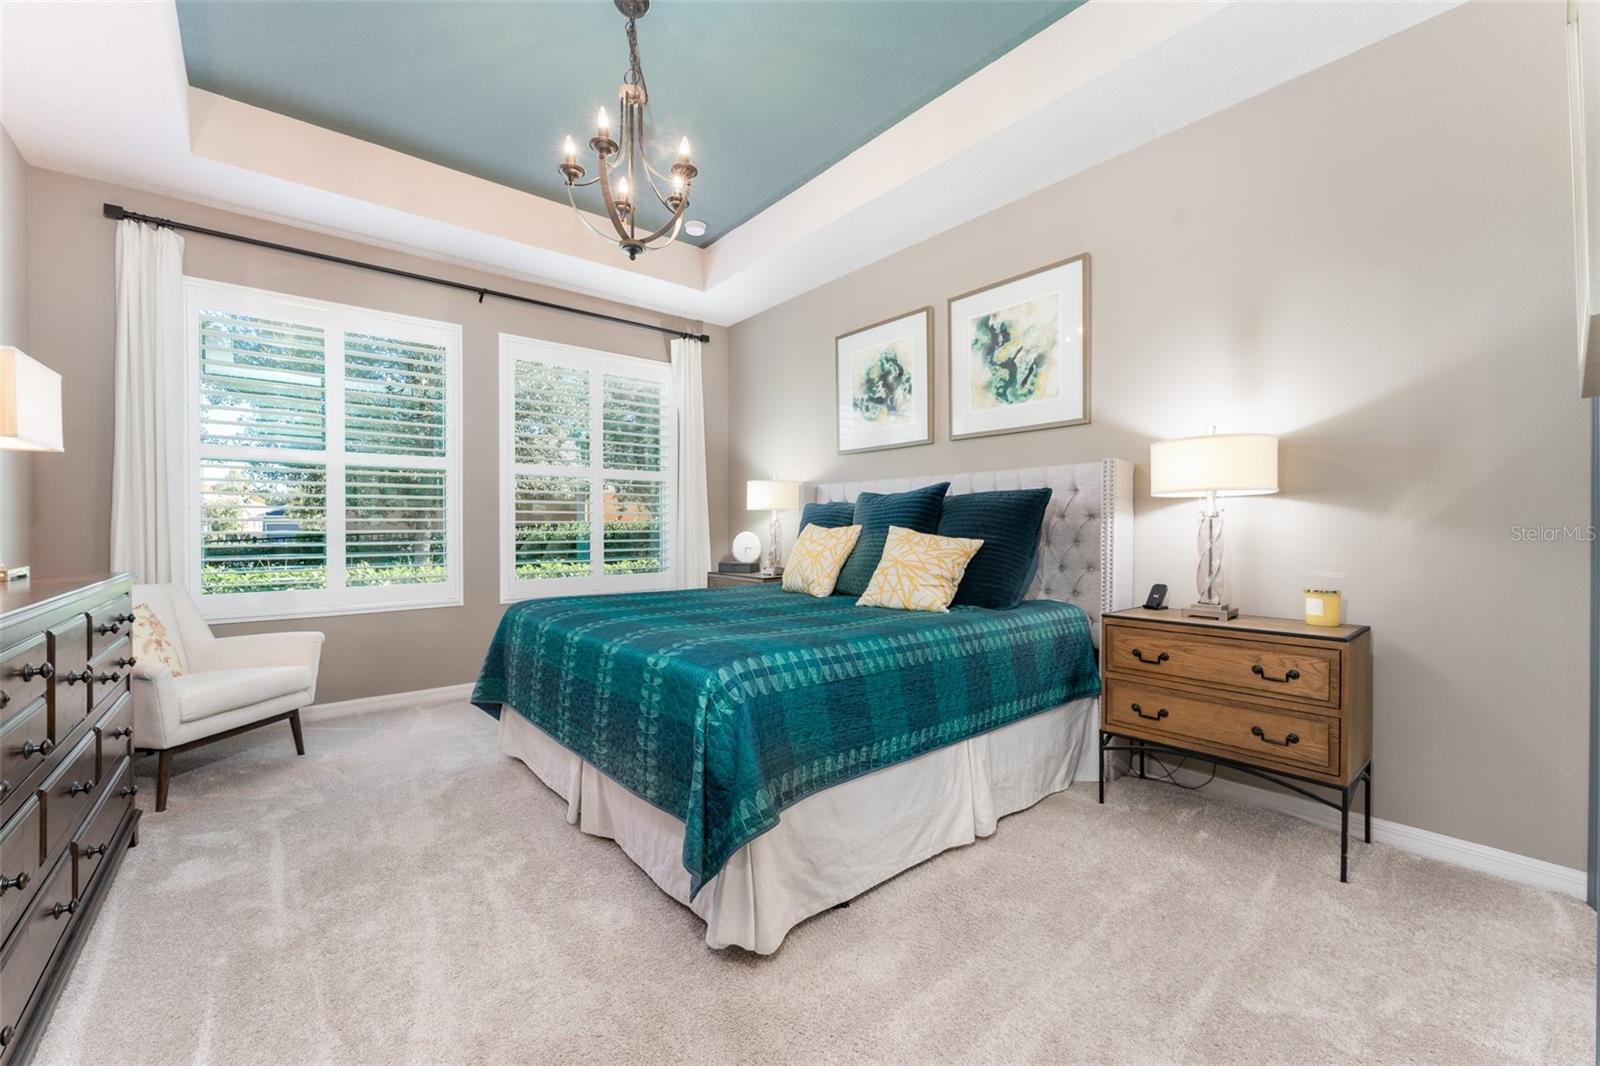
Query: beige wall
1375, 262
70, 264
16, 468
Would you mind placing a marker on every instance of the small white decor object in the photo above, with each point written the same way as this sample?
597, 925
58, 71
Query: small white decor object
1019, 352
747, 547
883, 378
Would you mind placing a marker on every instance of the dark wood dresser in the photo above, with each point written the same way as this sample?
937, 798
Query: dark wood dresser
66, 783
1274, 698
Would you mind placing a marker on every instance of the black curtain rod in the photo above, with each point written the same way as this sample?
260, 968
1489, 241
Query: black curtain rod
118, 213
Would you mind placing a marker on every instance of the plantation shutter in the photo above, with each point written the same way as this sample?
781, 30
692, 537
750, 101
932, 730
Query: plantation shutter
263, 520
590, 462
637, 455
395, 509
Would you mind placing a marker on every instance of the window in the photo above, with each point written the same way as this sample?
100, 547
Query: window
587, 471
323, 456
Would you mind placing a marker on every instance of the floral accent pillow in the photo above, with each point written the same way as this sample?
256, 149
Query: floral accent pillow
818, 556
918, 571
150, 641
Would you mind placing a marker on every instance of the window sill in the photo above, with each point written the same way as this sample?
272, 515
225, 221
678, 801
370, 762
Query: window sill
218, 614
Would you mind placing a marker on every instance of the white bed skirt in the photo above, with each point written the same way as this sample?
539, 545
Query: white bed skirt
833, 845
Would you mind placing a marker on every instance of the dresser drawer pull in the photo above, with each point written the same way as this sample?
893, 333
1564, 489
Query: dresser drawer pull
109, 678
120, 734
1138, 710
82, 675
93, 853
44, 670
1292, 738
129, 661
122, 618
63, 908
5, 786
1289, 675
128, 790
8, 883
1160, 658
80, 786
6, 1034
105, 628
44, 747
5, 697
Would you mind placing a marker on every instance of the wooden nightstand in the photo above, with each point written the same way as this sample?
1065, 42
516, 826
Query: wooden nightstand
1271, 697
718, 580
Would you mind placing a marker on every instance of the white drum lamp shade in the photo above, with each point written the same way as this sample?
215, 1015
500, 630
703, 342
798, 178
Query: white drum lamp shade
1228, 464
30, 404
771, 495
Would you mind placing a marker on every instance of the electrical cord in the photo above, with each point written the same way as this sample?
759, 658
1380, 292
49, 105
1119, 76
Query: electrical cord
1168, 772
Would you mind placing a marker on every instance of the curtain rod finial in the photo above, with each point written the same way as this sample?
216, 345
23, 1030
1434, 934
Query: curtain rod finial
114, 211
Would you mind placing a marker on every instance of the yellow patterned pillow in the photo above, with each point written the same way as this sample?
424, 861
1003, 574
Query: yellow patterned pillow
918, 571
817, 558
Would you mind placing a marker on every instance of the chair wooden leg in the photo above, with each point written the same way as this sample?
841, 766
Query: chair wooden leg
299, 737
163, 778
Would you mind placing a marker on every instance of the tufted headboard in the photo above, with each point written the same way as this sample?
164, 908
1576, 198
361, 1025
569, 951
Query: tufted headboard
1087, 552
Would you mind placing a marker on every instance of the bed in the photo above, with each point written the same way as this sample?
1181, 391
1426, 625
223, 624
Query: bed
764, 756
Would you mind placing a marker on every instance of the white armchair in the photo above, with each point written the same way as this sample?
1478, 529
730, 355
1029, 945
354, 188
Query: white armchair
223, 685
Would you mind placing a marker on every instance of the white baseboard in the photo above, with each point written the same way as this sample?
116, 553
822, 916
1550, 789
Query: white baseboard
392, 701
1481, 857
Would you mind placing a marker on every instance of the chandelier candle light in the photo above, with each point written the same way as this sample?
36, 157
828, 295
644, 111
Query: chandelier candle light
622, 171
1221, 464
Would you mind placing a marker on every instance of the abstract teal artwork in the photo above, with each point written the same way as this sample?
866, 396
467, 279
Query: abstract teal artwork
885, 384
1019, 352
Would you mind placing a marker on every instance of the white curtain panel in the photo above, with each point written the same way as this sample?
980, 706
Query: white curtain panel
146, 458
691, 537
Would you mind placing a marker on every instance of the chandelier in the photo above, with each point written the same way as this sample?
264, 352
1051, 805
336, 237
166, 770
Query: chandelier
621, 170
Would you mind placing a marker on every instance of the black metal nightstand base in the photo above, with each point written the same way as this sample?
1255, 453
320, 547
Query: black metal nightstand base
1139, 748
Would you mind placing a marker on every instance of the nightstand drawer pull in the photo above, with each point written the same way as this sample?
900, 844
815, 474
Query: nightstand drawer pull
1258, 732
1160, 713
1288, 676
1160, 658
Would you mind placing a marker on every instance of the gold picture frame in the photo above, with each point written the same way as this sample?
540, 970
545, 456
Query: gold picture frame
868, 418
977, 408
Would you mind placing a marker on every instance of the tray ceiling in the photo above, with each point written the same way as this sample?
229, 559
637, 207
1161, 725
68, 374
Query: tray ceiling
770, 94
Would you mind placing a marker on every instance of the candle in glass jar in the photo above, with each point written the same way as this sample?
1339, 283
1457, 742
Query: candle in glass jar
1323, 607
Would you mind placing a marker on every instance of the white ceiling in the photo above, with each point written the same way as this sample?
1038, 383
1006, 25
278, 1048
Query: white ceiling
98, 89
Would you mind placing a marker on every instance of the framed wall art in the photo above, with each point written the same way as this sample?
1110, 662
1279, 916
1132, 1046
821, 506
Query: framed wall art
884, 383
1019, 352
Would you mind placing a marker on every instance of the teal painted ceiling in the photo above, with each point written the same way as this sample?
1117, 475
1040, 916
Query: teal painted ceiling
770, 93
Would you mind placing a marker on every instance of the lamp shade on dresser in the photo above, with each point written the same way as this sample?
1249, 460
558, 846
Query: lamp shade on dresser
67, 815
30, 404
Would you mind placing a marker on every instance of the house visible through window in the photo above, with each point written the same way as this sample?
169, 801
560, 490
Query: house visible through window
323, 453
587, 471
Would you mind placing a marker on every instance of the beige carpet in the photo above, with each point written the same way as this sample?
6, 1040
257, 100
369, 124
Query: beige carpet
405, 893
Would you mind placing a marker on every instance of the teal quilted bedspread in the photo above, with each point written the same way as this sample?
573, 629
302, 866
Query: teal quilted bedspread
725, 706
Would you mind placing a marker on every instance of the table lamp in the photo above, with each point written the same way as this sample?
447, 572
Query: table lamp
1220, 464
30, 415
772, 496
